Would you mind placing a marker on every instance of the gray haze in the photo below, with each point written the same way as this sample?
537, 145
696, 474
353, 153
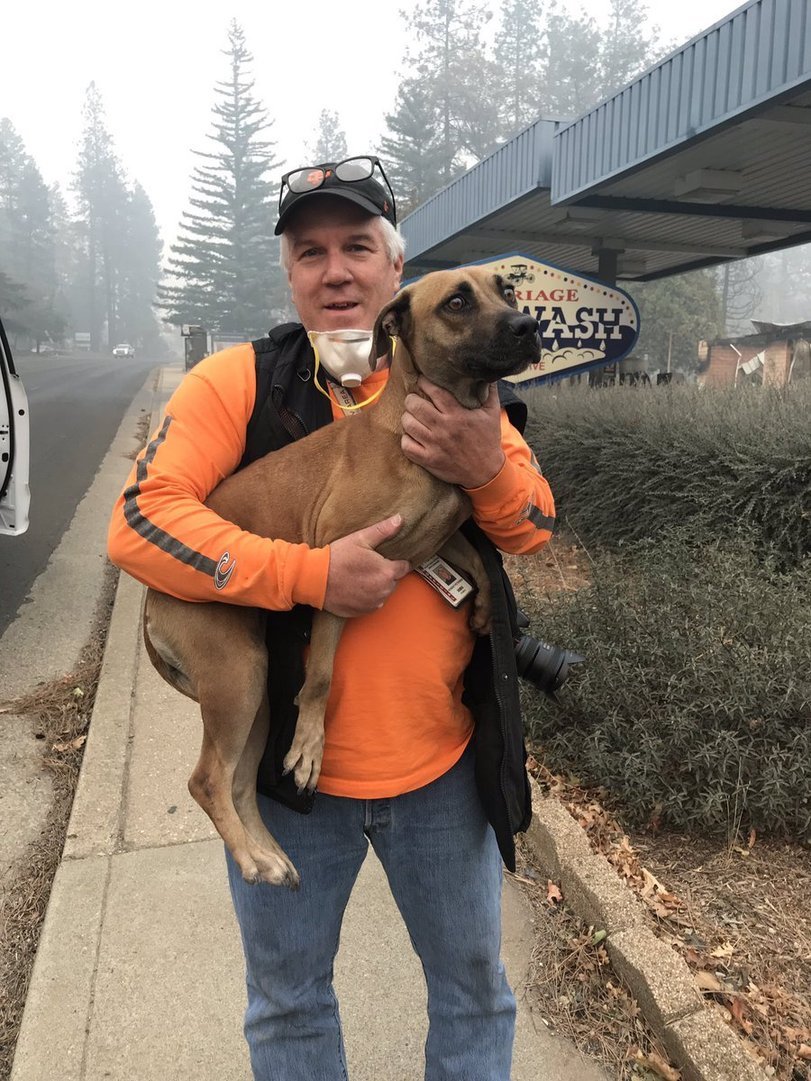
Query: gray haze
155, 65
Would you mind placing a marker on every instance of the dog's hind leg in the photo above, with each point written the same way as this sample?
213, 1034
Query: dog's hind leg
307, 748
458, 551
229, 720
244, 792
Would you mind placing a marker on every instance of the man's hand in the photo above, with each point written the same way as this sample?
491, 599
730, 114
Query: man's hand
458, 445
360, 579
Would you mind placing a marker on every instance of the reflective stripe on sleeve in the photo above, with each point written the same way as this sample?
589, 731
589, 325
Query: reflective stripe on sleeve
148, 530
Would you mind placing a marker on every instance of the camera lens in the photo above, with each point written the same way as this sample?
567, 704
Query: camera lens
546, 667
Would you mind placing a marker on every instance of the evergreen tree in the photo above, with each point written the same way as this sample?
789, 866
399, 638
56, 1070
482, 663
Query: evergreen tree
139, 273
628, 46
67, 256
450, 60
573, 80
27, 239
12, 298
102, 197
13, 160
224, 268
413, 150
675, 314
519, 53
330, 140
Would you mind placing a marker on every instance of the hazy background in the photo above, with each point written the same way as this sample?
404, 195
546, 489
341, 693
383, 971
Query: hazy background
155, 65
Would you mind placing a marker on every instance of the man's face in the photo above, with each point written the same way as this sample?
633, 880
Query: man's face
340, 273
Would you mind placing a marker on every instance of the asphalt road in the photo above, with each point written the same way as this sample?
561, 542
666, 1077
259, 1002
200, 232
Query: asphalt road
76, 405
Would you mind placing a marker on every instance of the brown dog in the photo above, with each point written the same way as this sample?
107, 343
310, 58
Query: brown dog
461, 330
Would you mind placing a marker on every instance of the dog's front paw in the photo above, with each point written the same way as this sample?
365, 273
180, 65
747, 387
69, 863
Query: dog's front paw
305, 756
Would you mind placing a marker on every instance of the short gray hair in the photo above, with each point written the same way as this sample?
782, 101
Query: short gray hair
393, 240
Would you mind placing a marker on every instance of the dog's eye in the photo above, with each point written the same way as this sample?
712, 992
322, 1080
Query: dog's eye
456, 303
509, 296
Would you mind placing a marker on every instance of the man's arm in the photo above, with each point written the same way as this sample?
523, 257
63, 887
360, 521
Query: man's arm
481, 451
162, 534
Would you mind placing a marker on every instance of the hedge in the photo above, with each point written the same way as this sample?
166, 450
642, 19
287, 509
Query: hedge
694, 706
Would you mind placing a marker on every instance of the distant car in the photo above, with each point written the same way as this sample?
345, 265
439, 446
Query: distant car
123, 350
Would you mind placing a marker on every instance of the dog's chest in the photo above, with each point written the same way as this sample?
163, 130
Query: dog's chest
432, 511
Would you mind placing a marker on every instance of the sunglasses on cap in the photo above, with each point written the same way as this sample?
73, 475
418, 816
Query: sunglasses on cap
350, 171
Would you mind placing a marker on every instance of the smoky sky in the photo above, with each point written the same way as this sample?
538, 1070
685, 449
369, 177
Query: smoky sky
155, 65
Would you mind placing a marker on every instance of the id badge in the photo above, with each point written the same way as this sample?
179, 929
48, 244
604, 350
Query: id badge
452, 586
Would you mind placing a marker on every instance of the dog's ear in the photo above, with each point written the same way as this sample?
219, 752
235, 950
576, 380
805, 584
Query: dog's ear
392, 321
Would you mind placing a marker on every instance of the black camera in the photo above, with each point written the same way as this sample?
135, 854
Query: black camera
545, 667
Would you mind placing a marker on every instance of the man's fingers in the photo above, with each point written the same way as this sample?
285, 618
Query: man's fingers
375, 534
418, 407
415, 428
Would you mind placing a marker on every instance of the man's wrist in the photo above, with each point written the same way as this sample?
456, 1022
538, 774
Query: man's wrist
485, 474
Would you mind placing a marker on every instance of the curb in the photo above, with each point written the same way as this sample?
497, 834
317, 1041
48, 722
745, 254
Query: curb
701, 1045
94, 828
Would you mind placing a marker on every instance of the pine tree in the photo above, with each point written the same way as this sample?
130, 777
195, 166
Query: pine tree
451, 63
67, 257
13, 160
225, 264
27, 253
675, 314
572, 81
102, 196
519, 52
628, 47
13, 297
413, 150
139, 273
330, 140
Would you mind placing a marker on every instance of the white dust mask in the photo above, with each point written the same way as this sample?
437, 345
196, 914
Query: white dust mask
345, 354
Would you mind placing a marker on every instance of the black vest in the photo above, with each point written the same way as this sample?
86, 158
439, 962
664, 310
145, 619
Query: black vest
287, 408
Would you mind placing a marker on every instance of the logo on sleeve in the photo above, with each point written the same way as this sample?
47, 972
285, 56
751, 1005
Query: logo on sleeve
224, 571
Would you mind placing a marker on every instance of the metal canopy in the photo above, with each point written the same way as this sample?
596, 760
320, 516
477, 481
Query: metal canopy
703, 159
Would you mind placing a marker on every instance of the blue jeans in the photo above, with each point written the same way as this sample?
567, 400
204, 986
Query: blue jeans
444, 869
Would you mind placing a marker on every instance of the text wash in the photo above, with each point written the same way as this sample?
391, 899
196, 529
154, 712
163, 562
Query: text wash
601, 324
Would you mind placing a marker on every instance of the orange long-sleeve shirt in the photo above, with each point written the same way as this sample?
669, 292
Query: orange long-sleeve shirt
395, 719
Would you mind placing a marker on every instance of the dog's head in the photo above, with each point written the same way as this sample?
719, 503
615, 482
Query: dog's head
462, 330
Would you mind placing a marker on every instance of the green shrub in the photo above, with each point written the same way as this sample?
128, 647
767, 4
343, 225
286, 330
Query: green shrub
628, 462
695, 701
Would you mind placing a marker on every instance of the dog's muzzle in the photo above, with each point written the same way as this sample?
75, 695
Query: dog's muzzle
515, 345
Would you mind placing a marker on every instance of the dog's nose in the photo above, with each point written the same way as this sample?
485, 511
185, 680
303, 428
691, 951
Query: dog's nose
523, 326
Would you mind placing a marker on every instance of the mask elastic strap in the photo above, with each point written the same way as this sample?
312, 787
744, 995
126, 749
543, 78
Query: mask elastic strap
347, 408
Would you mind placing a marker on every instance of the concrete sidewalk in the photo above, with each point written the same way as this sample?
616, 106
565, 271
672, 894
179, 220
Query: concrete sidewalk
139, 973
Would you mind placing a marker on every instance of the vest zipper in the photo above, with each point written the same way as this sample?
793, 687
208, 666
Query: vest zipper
292, 423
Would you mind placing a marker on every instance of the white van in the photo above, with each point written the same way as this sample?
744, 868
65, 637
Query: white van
14, 493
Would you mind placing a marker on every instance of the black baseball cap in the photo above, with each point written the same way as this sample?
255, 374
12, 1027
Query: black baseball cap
352, 179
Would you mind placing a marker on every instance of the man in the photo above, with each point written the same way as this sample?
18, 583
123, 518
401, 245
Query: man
403, 767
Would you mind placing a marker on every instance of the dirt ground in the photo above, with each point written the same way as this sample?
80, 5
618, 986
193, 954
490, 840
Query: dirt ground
736, 910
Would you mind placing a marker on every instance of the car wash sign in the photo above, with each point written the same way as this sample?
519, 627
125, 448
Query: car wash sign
584, 323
